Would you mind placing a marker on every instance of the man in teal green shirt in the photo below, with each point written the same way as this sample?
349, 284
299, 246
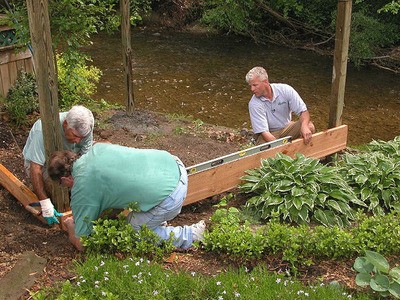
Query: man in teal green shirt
113, 176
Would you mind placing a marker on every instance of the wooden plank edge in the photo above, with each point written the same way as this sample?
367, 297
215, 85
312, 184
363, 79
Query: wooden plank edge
20, 191
339, 134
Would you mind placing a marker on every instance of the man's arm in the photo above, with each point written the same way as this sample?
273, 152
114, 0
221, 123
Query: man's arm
305, 130
37, 180
267, 136
70, 226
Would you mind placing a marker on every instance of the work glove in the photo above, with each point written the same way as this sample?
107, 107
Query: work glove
49, 213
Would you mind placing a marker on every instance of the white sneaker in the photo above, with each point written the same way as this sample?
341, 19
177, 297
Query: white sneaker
198, 231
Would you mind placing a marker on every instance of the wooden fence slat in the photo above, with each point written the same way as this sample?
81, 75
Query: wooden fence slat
226, 177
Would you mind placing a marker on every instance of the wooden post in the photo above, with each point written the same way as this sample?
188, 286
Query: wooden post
127, 54
340, 62
46, 78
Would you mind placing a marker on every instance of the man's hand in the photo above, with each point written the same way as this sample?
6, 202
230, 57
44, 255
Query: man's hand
306, 134
49, 213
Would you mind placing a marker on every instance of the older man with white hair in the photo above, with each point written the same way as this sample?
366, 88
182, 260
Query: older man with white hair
271, 108
77, 135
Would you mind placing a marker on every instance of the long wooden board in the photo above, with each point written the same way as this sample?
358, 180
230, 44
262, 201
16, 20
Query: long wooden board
20, 191
226, 177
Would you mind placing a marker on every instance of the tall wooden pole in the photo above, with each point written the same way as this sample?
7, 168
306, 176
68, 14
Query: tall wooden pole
127, 54
340, 62
46, 78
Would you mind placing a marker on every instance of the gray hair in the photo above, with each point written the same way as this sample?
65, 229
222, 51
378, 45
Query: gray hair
80, 119
259, 72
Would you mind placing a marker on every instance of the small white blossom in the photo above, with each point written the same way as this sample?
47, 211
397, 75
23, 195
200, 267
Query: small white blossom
96, 282
155, 292
220, 298
137, 263
300, 292
140, 281
125, 266
218, 282
306, 294
101, 263
96, 286
96, 268
237, 295
193, 273
223, 292
105, 273
78, 283
105, 278
278, 280
349, 296
103, 294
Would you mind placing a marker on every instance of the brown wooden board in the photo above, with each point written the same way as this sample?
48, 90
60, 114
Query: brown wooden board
226, 177
20, 191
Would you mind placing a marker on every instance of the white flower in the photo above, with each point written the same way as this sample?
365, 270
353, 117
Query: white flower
223, 292
96, 282
155, 292
349, 296
96, 286
140, 281
278, 280
306, 294
78, 283
237, 295
105, 273
193, 273
137, 263
125, 266
103, 294
96, 268
300, 292
101, 263
105, 278
220, 298
218, 282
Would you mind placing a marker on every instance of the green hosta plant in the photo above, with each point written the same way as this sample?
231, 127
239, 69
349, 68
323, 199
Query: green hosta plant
389, 148
375, 178
374, 271
299, 190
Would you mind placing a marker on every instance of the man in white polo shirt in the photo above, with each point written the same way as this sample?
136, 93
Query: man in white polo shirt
271, 108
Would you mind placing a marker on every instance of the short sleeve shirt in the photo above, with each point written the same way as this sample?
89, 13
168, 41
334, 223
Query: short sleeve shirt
274, 115
34, 149
113, 176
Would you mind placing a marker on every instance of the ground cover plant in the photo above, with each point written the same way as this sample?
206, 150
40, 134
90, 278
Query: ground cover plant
106, 277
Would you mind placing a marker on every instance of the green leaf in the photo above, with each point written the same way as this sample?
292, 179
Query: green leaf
380, 262
363, 279
298, 203
380, 283
395, 273
394, 289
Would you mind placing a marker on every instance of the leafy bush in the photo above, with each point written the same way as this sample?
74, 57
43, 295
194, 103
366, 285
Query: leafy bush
374, 271
229, 236
389, 148
22, 98
378, 233
117, 236
298, 190
76, 80
375, 178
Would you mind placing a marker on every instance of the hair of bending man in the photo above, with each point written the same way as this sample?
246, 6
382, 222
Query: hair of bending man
80, 119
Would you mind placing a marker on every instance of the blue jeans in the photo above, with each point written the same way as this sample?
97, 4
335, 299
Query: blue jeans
166, 211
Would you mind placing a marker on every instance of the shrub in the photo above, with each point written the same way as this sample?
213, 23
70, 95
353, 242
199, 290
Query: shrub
375, 178
298, 190
22, 98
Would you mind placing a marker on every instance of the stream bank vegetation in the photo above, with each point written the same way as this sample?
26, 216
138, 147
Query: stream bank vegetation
296, 209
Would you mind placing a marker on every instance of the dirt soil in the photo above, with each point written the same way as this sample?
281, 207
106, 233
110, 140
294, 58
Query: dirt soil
192, 141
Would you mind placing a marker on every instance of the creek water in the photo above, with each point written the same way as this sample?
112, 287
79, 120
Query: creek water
203, 75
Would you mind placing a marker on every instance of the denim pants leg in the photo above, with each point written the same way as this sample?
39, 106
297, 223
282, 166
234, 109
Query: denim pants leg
166, 211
